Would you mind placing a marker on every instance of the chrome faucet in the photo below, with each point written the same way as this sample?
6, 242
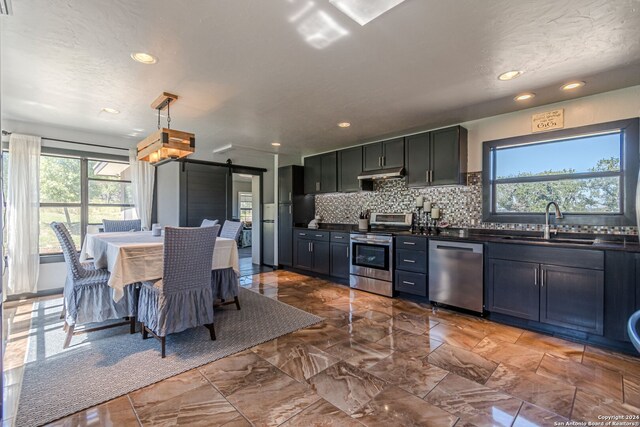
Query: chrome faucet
547, 229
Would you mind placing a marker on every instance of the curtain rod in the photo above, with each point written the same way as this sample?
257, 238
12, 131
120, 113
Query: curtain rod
4, 132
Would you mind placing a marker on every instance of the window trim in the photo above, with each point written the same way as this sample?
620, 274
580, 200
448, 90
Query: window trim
240, 209
630, 158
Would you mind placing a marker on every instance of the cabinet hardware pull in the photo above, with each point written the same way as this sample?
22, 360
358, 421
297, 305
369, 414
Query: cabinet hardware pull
409, 243
408, 283
289, 195
535, 277
302, 234
426, 176
289, 209
318, 235
542, 281
337, 237
409, 260
311, 246
317, 186
431, 176
347, 251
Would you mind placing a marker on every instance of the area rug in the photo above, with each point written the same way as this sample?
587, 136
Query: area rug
102, 365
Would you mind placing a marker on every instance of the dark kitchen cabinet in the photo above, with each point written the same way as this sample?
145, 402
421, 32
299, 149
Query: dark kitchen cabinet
349, 167
285, 234
512, 288
554, 286
293, 208
572, 297
436, 158
340, 260
320, 173
304, 255
417, 161
383, 155
312, 250
622, 292
411, 265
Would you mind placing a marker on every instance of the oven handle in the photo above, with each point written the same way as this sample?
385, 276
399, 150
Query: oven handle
372, 242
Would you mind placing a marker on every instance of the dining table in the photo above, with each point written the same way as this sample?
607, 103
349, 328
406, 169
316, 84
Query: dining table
132, 257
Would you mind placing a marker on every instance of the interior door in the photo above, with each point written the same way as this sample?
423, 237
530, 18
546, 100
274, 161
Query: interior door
205, 192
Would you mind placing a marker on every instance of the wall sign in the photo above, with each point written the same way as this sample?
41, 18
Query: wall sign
548, 120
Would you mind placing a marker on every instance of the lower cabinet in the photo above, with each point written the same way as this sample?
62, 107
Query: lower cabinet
411, 283
312, 251
512, 288
340, 260
411, 265
570, 296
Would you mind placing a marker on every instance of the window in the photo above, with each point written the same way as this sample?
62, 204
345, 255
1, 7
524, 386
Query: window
245, 208
590, 172
79, 190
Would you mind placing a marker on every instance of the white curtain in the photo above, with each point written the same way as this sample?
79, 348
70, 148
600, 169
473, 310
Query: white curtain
142, 180
23, 214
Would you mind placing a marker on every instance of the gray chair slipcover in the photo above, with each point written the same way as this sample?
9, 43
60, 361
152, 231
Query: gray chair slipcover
183, 298
209, 222
231, 230
87, 295
124, 225
225, 283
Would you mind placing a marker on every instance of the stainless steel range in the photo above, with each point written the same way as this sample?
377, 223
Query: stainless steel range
371, 267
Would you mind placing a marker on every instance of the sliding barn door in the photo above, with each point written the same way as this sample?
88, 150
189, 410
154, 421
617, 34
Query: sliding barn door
205, 192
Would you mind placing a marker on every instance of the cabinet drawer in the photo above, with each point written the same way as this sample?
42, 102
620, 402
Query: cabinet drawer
313, 235
581, 258
411, 283
413, 243
409, 260
339, 237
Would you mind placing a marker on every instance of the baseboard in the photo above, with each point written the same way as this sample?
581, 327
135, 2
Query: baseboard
27, 295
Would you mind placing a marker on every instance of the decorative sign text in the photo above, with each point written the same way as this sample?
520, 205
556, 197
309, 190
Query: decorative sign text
547, 121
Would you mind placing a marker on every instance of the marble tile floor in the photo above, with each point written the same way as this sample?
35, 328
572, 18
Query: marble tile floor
374, 361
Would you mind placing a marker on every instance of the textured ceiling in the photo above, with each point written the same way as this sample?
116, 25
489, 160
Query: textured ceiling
249, 72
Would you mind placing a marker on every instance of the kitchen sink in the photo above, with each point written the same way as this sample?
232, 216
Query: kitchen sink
552, 240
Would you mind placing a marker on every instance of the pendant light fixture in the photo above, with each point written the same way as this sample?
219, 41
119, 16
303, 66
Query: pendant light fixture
165, 144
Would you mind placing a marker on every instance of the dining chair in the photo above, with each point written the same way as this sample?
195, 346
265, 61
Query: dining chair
231, 229
209, 222
182, 298
88, 298
123, 225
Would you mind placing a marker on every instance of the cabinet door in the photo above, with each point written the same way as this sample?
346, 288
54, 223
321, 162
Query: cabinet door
393, 153
285, 235
329, 173
340, 260
417, 160
349, 167
372, 156
312, 174
285, 184
445, 156
572, 297
303, 254
513, 288
321, 252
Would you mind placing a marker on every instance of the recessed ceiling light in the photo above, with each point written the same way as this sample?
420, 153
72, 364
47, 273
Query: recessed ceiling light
344, 124
524, 96
111, 110
144, 58
573, 85
510, 75
276, 144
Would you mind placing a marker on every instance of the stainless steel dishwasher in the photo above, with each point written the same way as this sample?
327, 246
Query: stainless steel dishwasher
456, 274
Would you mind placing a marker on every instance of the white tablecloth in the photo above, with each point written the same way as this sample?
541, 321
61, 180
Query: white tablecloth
134, 257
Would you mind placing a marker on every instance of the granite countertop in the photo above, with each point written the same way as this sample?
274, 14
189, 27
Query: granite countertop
627, 243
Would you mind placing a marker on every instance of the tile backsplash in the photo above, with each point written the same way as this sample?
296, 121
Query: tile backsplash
461, 206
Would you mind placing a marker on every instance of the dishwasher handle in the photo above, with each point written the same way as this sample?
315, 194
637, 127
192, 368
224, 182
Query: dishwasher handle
456, 246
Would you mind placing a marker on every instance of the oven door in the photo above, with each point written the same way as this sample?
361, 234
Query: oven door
371, 260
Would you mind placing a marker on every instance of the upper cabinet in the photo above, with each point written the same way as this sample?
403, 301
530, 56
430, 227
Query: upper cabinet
320, 173
290, 183
436, 158
349, 167
383, 155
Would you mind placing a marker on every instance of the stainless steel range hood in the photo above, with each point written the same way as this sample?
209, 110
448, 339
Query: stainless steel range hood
382, 174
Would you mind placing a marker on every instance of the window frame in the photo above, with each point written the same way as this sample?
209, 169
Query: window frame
240, 209
85, 157
628, 174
